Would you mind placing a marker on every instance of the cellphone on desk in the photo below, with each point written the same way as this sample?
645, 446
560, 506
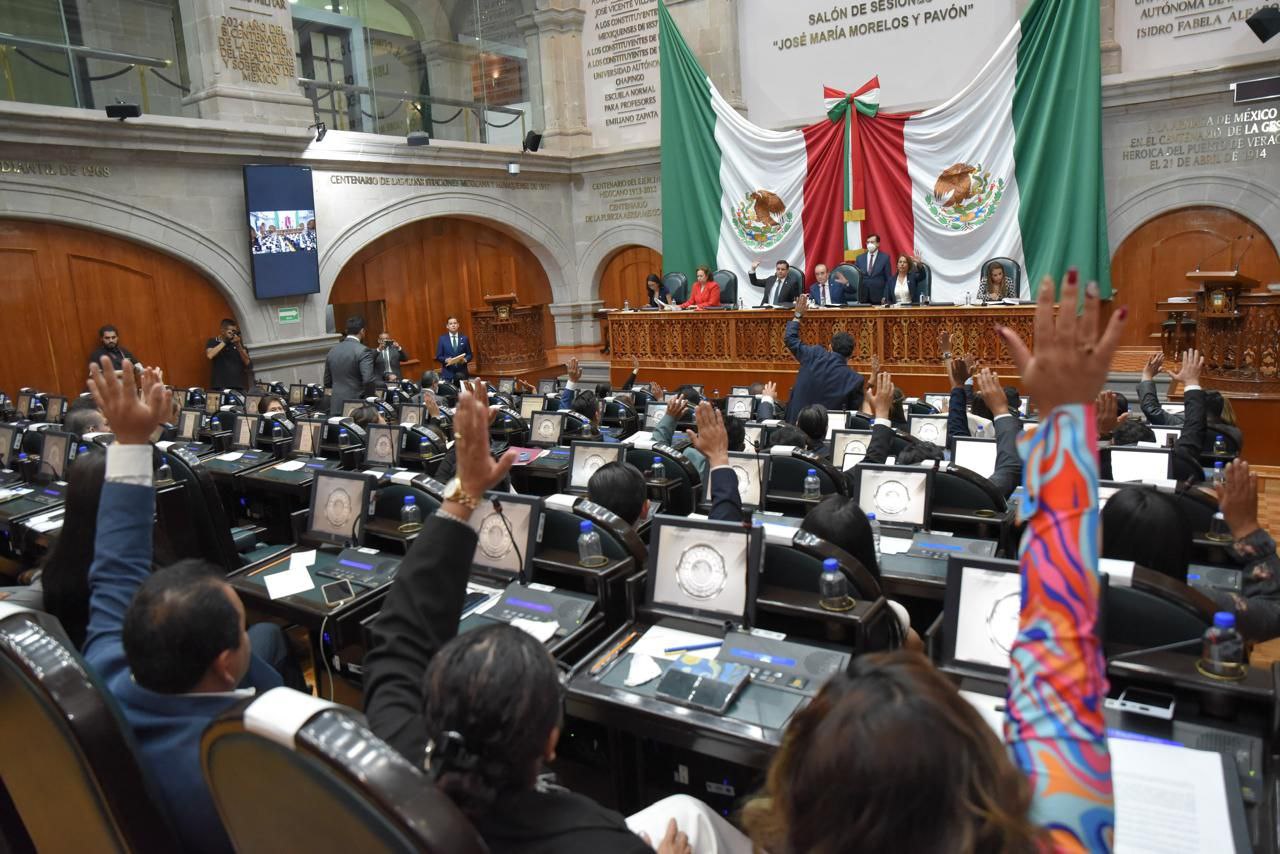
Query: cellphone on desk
523, 458
1154, 704
337, 591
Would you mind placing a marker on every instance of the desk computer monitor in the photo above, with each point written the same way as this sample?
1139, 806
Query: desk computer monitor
56, 451
350, 406
898, 495
698, 387
212, 402
189, 423
976, 455
980, 615
752, 471
23, 403
8, 443
586, 457
546, 387
546, 428
849, 447
251, 401
506, 537
653, 414
306, 437
54, 407
180, 397
246, 431
339, 500
741, 406
531, 403
382, 445
938, 401
929, 428
412, 413
753, 434
507, 385
704, 569
837, 419
297, 394
627, 397
1142, 464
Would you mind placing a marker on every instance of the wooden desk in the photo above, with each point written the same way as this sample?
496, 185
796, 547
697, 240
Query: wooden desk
737, 347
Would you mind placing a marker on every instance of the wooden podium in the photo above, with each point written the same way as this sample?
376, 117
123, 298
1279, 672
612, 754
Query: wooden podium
508, 336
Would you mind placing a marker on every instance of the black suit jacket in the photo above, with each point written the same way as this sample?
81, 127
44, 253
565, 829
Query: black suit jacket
915, 284
389, 359
825, 377
786, 294
875, 281
349, 371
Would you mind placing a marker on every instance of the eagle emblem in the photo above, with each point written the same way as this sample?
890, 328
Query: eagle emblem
761, 219
964, 197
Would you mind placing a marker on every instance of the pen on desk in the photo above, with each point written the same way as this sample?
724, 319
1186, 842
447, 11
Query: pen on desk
608, 658
693, 647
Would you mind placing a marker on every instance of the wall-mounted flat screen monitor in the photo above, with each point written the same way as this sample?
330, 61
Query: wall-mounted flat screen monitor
281, 212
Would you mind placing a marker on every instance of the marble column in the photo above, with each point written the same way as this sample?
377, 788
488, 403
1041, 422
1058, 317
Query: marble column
576, 322
553, 35
449, 68
1110, 47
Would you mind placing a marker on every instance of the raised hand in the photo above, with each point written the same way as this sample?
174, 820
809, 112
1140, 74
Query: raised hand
477, 469
1153, 366
992, 392
802, 303
1108, 415
882, 396
770, 390
133, 415
1071, 359
958, 371
755, 265
1238, 499
678, 407
711, 439
635, 364
1189, 371
575, 370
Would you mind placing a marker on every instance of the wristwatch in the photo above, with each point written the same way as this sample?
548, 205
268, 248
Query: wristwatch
797, 315
453, 492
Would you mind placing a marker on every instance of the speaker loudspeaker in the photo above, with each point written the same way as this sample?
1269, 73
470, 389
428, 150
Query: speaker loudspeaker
1265, 22
532, 140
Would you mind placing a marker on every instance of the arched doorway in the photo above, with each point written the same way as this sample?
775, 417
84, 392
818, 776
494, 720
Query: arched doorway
59, 284
1152, 262
413, 279
624, 274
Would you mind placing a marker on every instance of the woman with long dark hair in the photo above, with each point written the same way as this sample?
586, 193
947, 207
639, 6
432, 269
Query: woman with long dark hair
706, 290
659, 296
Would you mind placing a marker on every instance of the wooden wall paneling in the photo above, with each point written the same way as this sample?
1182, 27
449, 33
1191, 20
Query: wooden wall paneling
624, 274
1152, 262
27, 354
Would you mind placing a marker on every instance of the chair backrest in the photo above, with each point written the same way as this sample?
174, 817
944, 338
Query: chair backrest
926, 281
799, 565
205, 529
728, 282
622, 415
615, 533
390, 499
852, 275
1155, 610
67, 759
789, 470
1197, 506
958, 488
347, 789
1012, 271
682, 497
677, 285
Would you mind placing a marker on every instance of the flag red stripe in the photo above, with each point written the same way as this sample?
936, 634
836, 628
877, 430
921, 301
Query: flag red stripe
823, 215
886, 186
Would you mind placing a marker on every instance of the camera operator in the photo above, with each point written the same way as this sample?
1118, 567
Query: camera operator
230, 360
389, 356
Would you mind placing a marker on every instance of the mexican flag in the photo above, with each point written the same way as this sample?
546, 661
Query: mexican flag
1011, 166
733, 193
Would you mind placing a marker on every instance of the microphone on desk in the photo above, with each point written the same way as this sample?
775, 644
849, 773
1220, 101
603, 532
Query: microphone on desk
1218, 251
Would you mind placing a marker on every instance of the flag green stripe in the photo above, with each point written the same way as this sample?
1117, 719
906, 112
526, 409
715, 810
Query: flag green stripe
1057, 119
690, 156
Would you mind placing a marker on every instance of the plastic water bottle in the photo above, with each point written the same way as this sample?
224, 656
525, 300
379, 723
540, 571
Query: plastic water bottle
1222, 651
739, 303
214, 424
658, 471
424, 447
626, 305
1219, 445
277, 432
966, 298
980, 432
1219, 475
875, 533
165, 472
924, 299
410, 514
343, 437
833, 587
812, 486
589, 550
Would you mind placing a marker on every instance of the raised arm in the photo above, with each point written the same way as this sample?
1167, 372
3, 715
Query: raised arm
791, 335
1148, 398
1054, 724
1008, 470
712, 441
1192, 437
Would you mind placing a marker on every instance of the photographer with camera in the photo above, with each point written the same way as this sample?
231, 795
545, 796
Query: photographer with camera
231, 362
389, 356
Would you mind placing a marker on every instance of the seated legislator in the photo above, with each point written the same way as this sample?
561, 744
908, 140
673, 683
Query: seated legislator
996, 284
825, 376
706, 290
1219, 417
658, 295
907, 283
1257, 606
170, 646
664, 432
778, 288
999, 406
826, 291
1186, 451
916, 766
874, 266
481, 711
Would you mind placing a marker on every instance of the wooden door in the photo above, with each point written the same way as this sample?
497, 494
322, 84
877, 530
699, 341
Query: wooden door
624, 275
1152, 263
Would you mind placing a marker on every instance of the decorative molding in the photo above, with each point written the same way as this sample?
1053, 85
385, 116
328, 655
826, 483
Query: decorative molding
1252, 200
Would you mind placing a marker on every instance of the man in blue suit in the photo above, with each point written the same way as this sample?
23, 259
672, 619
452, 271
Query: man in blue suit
874, 266
825, 376
825, 291
453, 352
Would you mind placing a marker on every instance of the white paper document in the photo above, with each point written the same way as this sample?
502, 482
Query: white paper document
543, 630
1169, 799
659, 639
290, 465
894, 545
643, 669
231, 457
293, 580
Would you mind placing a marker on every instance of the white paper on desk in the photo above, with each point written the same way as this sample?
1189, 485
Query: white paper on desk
655, 643
290, 465
643, 669
1119, 572
293, 580
49, 523
1169, 799
404, 478
231, 456
302, 560
778, 535
893, 545
378, 473
543, 630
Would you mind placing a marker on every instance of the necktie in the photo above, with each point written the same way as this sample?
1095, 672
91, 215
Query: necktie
871, 263
826, 294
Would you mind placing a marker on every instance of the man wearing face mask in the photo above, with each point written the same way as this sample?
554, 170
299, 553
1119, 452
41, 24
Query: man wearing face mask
874, 266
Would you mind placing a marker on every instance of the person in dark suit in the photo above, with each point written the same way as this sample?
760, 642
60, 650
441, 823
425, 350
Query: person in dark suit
484, 730
453, 352
825, 376
825, 291
874, 266
389, 356
349, 368
1004, 419
907, 282
1186, 452
659, 296
778, 289
109, 338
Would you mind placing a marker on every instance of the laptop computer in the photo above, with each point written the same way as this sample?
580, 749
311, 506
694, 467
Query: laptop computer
653, 414
382, 445
705, 569
976, 455
244, 434
251, 401
339, 501
836, 420
849, 447
585, 458
189, 423
937, 400
412, 413
546, 387
57, 450
753, 477
546, 428
740, 406
507, 534
507, 385
1139, 464
531, 403
297, 394
212, 402
928, 428
739, 390
900, 496
980, 614
350, 406
54, 407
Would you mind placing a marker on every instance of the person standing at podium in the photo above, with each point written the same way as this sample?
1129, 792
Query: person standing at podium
453, 352
874, 267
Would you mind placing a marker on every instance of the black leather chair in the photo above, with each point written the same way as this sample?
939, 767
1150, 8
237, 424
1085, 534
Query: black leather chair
926, 283
728, 282
919, 407
343, 788
677, 286
67, 760
787, 474
1012, 272
509, 427
681, 498
957, 488
1154, 610
1197, 506
852, 275
622, 416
